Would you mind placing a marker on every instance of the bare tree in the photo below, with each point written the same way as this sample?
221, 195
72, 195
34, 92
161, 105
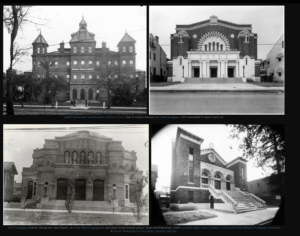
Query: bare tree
109, 74
14, 18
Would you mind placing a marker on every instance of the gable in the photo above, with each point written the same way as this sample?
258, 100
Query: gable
204, 158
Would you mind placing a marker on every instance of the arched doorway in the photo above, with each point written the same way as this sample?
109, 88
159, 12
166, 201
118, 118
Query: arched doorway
98, 190
75, 94
82, 94
90, 94
80, 189
62, 187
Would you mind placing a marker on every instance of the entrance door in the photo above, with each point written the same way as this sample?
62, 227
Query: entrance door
213, 72
61, 193
196, 72
30, 187
230, 72
75, 94
82, 94
228, 186
98, 190
191, 197
80, 188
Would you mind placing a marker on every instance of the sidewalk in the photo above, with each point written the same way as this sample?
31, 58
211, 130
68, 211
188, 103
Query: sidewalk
73, 211
228, 218
216, 87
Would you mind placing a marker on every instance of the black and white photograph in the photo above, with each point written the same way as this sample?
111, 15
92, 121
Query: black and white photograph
216, 60
74, 60
218, 174
76, 174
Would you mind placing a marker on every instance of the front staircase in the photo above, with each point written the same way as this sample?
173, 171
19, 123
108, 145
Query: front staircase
213, 80
238, 200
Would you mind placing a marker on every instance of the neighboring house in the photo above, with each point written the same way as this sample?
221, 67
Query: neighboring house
268, 192
10, 171
78, 63
264, 67
157, 57
154, 176
275, 60
214, 48
142, 82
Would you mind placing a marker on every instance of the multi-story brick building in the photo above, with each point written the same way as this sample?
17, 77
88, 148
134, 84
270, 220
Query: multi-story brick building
96, 164
214, 48
83, 63
200, 175
157, 57
10, 171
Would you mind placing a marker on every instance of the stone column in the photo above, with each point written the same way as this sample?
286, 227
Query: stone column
190, 69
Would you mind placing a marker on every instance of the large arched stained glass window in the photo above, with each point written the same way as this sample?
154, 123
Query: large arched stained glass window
99, 158
67, 157
75, 158
91, 158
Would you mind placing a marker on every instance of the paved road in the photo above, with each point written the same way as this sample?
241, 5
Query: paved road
165, 103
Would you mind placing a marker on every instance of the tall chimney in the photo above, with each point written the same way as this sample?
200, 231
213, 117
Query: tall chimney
62, 47
103, 45
157, 39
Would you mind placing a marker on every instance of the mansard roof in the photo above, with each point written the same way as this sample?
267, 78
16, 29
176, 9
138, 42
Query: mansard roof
126, 39
40, 39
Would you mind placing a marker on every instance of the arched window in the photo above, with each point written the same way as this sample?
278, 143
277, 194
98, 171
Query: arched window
213, 46
124, 49
38, 50
228, 178
180, 61
204, 178
130, 49
67, 157
74, 157
217, 46
217, 176
91, 158
204, 174
82, 158
246, 61
98, 158
205, 47
209, 46
221, 47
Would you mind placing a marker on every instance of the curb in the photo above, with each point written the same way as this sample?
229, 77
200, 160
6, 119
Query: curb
207, 91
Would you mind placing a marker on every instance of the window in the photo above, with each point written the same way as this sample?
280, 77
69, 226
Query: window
98, 77
109, 63
34, 188
82, 158
116, 76
130, 49
43, 50
82, 49
82, 76
126, 191
82, 62
243, 173
258, 185
279, 58
90, 77
191, 165
38, 50
116, 63
205, 47
180, 61
90, 62
75, 50
150, 55
97, 63
75, 62
154, 56
279, 73
124, 62
209, 46
68, 63
56, 63
56, 76
90, 49
204, 178
131, 63
68, 76
38, 64
75, 76
131, 76
124, 49
221, 47
246, 61
38, 76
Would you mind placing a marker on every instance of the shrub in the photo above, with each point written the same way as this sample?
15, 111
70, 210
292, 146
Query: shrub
249, 79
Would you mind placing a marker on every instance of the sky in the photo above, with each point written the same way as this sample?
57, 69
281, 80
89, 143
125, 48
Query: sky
108, 23
267, 22
19, 144
218, 135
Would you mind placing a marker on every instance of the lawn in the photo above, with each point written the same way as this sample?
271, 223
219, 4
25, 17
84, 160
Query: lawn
163, 84
267, 84
173, 218
61, 218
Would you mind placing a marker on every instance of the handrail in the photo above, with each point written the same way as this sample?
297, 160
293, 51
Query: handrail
225, 197
254, 197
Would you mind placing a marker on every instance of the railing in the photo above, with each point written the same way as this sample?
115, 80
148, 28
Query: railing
224, 196
254, 197
204, 185
213, 50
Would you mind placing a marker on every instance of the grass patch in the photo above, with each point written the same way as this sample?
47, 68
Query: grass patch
163, 84
173, 218
266, 84
60, 218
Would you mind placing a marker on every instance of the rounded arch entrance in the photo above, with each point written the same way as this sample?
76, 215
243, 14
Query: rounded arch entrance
62, 188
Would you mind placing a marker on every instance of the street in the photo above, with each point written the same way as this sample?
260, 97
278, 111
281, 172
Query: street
165, 103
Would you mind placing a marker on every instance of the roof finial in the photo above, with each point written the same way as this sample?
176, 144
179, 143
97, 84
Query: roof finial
82, 17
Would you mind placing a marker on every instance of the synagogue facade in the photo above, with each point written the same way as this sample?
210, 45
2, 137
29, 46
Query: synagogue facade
95, 162
214, 49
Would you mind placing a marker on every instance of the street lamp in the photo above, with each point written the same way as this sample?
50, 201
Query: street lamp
22, 94
114, 189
